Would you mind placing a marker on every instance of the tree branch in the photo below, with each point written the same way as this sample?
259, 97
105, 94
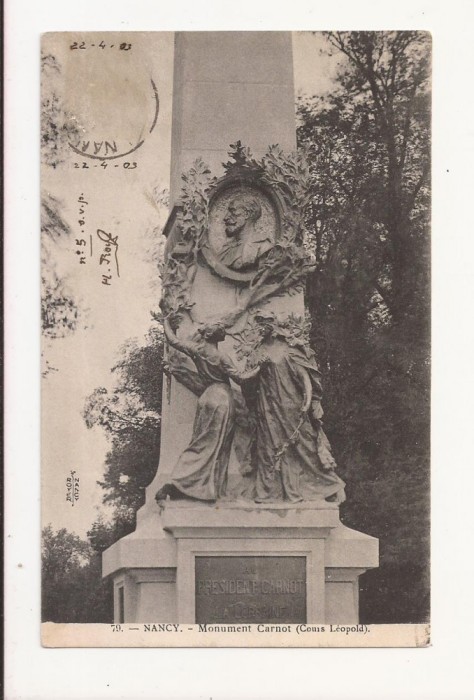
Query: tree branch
418, 186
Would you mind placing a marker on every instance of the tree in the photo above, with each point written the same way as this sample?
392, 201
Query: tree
130, 415
58, 126
72, 589
59, 311
368, 226
370, 141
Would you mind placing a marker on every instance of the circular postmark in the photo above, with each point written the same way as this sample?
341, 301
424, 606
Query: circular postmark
114, 104
105, 149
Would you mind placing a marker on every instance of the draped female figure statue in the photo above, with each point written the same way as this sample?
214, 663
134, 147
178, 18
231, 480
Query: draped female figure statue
201, 470
293, 460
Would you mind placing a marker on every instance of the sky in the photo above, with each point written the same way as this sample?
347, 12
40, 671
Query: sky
109, 91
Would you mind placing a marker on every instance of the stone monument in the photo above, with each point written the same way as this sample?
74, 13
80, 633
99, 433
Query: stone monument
241, 523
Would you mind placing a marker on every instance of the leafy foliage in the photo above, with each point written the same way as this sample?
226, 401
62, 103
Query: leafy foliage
194, 202
72, 590
130, 415
59, 310
282, 269
287, 174
368, 222
178, 271
293, 329
58, 126
369, 146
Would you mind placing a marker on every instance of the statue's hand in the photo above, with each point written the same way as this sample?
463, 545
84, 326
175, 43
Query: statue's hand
264, 360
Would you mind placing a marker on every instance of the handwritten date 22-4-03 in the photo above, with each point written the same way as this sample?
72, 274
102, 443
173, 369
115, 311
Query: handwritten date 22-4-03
82, 45
127, 165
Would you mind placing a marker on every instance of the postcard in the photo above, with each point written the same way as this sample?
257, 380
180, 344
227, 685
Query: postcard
235, 269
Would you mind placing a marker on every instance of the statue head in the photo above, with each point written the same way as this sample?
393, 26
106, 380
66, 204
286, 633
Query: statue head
242, 209
266, 322
213, 333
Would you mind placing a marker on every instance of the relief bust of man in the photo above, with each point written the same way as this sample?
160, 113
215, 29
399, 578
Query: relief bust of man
245, 244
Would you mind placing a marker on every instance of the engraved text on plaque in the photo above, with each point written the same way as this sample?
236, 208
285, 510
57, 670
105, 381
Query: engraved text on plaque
250, 589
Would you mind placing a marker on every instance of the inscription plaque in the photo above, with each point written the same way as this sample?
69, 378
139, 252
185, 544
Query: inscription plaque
250, 589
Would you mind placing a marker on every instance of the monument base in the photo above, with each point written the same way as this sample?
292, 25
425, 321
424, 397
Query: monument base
236, 562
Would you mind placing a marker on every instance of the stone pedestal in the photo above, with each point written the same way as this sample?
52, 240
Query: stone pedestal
235, 562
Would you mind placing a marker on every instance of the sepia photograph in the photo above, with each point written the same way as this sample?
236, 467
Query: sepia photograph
238, 355
235, 269
235, 237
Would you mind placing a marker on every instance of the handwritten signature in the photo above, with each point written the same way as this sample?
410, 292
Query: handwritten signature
109, 252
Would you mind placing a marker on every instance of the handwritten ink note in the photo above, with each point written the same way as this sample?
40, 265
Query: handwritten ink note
108, 248
107, 148
81, 242
108, 257
84, 45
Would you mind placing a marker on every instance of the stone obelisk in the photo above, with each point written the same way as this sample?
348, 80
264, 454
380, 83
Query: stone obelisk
229, 87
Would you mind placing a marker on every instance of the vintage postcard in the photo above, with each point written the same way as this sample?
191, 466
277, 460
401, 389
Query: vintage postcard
235, 237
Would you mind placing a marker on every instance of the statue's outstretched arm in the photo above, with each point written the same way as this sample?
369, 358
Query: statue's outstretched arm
234, 373
185, 346
245, 376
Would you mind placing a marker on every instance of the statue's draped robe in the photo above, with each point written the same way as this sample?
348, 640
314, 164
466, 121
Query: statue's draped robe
201, 470
293, 460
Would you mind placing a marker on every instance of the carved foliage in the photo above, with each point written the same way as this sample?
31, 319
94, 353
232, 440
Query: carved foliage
283, 268
287, 174
294, 330
177, 273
